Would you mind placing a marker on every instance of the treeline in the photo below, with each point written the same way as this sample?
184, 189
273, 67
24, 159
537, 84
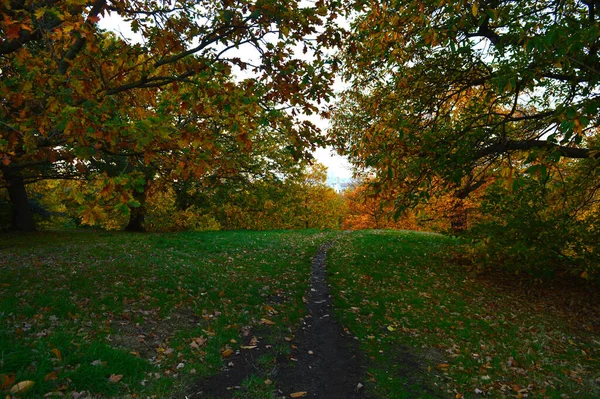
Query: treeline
296, 201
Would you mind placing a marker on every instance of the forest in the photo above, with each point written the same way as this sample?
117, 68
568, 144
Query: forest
187, 146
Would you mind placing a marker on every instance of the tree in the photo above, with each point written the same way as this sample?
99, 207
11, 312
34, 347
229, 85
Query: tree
448, 90
70, 92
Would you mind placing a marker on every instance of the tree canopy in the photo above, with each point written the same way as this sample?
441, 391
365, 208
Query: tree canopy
494, 100
446, 89
71, 92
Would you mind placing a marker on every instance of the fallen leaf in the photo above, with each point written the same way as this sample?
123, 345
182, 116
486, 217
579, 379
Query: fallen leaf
51, 376
267, 321
268, 382
114, 378
227, 353
22, 386
57, 353
443, 366
6, 381
390, 328
248, 346
198, 342
298, 394
584, 275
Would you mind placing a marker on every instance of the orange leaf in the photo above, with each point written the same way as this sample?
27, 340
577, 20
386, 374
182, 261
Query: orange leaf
267, 321
227, 353
298, 394
114, 378
13, 31
51, 376
6, 381
57, 353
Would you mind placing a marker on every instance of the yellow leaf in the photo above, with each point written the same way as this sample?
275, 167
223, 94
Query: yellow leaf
475, 9
298, 394
390, 328
22, 386
57, 353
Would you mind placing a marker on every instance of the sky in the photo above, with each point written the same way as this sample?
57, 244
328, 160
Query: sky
338, 167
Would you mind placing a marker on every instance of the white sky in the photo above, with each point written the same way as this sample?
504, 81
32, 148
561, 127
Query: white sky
337, 166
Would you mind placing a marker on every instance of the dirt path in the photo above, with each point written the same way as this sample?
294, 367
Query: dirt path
324, 362
327, 365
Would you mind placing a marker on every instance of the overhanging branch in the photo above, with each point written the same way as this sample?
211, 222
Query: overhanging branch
524, 145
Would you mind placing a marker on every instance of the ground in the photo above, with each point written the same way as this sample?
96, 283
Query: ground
257, 315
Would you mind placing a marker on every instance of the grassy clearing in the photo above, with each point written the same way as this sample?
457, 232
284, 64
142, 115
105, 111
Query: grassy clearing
434, 329
118, 314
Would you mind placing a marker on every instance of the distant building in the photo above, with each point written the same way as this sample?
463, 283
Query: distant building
339, 184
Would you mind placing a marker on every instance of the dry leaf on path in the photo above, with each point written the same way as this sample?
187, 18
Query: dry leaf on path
298, 394
227, 353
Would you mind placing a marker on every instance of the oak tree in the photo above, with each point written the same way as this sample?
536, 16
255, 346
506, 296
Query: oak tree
447, 90
70, 92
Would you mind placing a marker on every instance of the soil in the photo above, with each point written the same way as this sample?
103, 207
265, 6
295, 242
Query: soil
325, 362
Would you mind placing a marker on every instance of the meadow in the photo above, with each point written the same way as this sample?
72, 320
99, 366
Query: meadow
112, 314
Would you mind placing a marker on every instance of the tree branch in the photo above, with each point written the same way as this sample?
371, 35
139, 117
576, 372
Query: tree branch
523, 145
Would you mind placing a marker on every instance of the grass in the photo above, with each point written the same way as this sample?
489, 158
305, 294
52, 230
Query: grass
431, 328
119, 314
132, 315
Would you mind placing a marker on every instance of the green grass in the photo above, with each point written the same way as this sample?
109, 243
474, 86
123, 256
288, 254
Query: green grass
433, 329
79, 307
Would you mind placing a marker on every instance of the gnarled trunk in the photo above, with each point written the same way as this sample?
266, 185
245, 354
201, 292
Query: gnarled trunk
21, 213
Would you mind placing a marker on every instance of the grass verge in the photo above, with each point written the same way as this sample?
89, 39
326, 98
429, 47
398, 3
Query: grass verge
116, 314
433, 329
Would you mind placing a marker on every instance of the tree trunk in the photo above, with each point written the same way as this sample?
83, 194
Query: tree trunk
137, 215
458, 218
21, 213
